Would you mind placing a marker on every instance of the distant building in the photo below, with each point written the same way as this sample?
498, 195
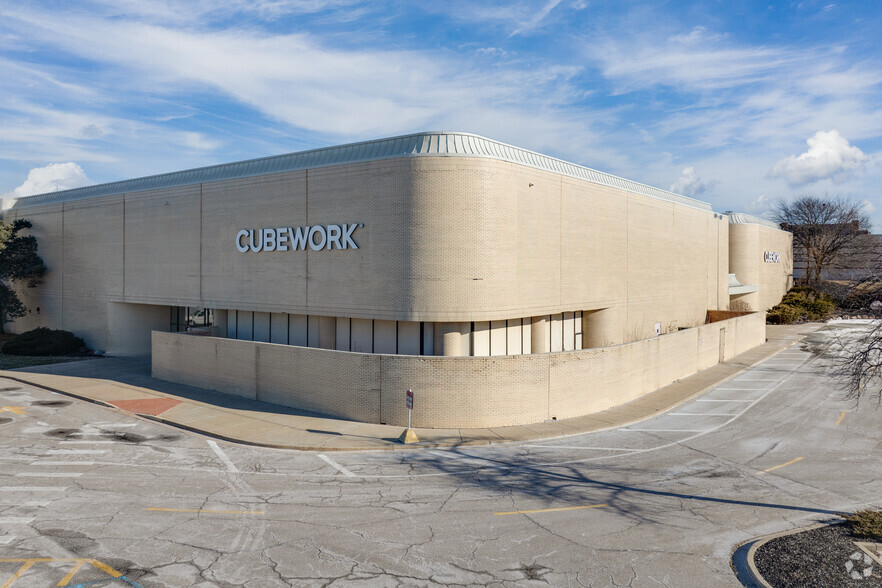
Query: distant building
859, 260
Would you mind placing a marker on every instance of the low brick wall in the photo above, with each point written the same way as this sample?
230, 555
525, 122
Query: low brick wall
450, 392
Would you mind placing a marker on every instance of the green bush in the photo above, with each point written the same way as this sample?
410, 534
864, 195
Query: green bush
44, 341
866, 523
801, 303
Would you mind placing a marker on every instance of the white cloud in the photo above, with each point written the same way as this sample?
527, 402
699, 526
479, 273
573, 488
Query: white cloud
829, 156
51, 178
690, 183
763, 207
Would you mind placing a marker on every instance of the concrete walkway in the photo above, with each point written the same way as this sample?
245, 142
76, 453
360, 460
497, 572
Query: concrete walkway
125, 384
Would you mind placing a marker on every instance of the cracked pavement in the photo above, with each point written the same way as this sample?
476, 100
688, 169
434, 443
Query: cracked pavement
663, 502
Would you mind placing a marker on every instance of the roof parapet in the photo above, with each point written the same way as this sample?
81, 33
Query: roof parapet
414, 145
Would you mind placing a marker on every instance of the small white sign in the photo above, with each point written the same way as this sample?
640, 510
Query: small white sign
772, 257
409, 399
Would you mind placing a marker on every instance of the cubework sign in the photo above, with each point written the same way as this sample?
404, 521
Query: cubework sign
316, 237
772, 257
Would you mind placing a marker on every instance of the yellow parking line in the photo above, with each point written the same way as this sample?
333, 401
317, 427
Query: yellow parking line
839, 420
253, 512
782, 465
550, 509
104, 568
18, 573
71, 573
27, 563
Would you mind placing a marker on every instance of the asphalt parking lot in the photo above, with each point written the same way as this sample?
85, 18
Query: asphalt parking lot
90, 495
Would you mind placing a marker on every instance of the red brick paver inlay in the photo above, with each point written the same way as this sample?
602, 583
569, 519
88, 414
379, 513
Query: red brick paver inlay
151, 406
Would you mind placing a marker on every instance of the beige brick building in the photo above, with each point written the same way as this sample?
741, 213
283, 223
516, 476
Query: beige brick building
502, 285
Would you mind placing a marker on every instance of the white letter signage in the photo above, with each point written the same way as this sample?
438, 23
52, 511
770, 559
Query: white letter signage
316, 237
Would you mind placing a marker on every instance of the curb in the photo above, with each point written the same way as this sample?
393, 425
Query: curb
743, 557
5, 374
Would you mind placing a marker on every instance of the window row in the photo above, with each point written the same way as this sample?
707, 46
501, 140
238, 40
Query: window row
563, 332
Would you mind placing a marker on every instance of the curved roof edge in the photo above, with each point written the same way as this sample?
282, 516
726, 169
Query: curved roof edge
739, 218
414, 145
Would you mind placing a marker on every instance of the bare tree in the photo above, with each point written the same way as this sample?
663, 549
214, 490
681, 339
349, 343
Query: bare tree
824, 228
859, 365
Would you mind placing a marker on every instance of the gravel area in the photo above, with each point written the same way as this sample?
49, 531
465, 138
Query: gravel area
826, 557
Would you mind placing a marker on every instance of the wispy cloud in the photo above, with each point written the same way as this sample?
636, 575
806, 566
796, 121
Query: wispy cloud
127, 88
298, 80
536, 19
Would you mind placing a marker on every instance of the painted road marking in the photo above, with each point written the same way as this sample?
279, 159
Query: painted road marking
470, 460
743, 380
624, 449
62, 463
715, 400
839, 420
702, 414
782, 465
462, 458
87, 442
514, 512
670, 430
78, 564
206, 511
109, 424
32, 488
15, 520
6, 539
49, 475
231, 467
336, 466
36, 502
13, 409
75, 451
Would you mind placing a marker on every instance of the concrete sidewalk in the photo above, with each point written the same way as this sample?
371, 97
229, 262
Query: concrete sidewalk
125, 384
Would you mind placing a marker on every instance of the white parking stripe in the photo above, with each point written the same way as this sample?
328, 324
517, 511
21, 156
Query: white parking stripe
49, 475
623, 449
33, 488
336, 466
16, 520
700, 414
75, 451
114, 424
62, 463
727, 400
85, 442
468, 460
231, 467
746, 379
669, 430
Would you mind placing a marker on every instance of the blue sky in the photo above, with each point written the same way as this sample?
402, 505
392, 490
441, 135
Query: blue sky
735, 103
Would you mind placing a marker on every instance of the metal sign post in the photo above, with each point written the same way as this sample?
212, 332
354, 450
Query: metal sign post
408, 436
